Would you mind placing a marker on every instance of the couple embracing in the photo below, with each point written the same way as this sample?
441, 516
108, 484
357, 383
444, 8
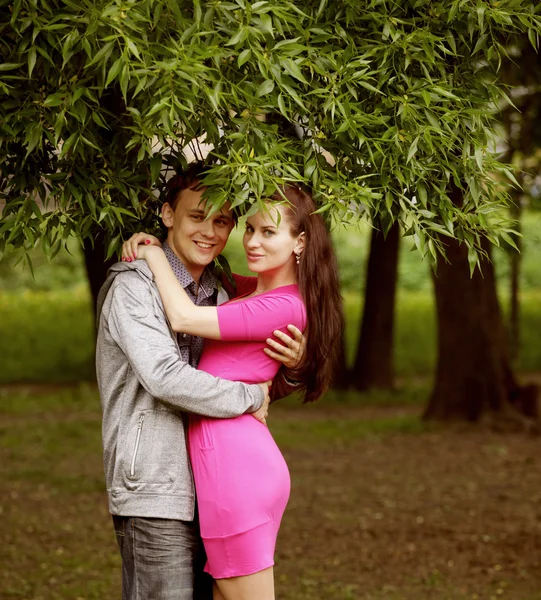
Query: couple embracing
194, 478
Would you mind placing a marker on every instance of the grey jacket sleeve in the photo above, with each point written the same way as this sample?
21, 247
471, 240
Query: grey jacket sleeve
142, 332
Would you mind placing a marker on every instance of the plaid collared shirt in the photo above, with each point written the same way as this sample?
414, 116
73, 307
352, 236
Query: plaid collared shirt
204, 294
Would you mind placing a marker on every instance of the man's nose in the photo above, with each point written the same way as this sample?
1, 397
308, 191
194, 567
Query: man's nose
207, 228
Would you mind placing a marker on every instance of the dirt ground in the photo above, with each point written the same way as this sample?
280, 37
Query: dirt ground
380, 508
442, 515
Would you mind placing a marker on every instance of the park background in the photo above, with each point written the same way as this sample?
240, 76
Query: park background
386, 504
383, 505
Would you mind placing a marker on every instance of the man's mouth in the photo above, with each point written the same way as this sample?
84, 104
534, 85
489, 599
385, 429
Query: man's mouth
203, 245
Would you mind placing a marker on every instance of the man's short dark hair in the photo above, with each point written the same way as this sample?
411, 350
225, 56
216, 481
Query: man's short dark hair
188, 179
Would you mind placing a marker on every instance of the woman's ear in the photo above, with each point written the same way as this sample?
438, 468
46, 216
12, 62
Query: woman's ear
168, 215
299, 246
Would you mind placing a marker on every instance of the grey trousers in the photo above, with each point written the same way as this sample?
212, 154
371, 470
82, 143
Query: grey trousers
162, 559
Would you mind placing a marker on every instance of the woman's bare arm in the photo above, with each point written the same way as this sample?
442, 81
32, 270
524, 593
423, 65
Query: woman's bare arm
184, 316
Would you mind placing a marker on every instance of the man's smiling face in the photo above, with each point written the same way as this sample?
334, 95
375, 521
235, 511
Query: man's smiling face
195, 239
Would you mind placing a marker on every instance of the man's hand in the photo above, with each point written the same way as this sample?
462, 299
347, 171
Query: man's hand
293, 349
262, 413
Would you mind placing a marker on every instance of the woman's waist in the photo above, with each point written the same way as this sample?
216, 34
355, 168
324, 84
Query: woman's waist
244, 421
235, 432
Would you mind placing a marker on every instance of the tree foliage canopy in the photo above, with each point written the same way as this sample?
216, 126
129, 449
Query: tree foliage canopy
99, 98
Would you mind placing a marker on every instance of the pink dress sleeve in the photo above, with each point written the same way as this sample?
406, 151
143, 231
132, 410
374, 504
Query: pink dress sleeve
254, 319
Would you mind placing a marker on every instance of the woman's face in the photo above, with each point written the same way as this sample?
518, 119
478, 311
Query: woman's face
268, 241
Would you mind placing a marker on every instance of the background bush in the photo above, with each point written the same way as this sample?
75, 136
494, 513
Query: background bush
46, 323
46, 336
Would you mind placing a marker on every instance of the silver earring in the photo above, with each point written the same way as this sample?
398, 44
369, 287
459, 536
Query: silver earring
297, 257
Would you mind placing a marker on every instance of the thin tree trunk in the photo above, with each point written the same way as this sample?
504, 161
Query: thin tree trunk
341, 378
516, 258
474, 376
94, 251
374, 366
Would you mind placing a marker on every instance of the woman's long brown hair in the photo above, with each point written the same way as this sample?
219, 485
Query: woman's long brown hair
317, 276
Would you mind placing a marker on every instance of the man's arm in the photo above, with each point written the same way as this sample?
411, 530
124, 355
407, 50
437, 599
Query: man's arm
282, 386
290, 351
153, 354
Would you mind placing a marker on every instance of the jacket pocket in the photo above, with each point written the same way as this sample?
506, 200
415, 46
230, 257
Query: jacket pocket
137, 442
156, 450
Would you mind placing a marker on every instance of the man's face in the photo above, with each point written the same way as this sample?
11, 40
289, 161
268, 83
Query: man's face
195, 239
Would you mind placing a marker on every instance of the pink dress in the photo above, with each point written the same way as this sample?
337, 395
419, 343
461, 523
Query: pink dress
241, 478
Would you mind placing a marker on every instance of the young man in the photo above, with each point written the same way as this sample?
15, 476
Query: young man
148, 384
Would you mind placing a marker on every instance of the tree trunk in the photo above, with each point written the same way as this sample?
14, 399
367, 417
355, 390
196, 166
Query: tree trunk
94, 251
374, 366
516, 259
474, 376
341, 377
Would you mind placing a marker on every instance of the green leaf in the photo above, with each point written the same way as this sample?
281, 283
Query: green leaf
239, 37
244, 57
102, 55
413, 149
266, 23
282, 106
265, 88
533, 36
155, 168
114, 70
133, 48
422, 193
293, 69
473, 259
370, 87
510, 240
53, 100
113, 246
10, 66
66, 146
158, 106
31, 61
33, 137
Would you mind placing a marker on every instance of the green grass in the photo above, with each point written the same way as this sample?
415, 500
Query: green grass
342, 432
47, 336
57, 541
363, 476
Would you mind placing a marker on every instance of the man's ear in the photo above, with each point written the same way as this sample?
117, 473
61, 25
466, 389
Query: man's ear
168, 215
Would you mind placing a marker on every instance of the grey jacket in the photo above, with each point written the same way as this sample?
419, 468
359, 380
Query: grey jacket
146, 392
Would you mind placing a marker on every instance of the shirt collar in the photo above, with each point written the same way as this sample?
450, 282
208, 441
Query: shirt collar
207, 284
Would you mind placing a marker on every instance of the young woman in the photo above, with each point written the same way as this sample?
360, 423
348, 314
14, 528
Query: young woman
242, 481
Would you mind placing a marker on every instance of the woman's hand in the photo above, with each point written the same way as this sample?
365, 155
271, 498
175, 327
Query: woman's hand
144, 252
131, 248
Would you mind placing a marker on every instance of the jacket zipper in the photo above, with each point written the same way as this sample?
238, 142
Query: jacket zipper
137, 439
